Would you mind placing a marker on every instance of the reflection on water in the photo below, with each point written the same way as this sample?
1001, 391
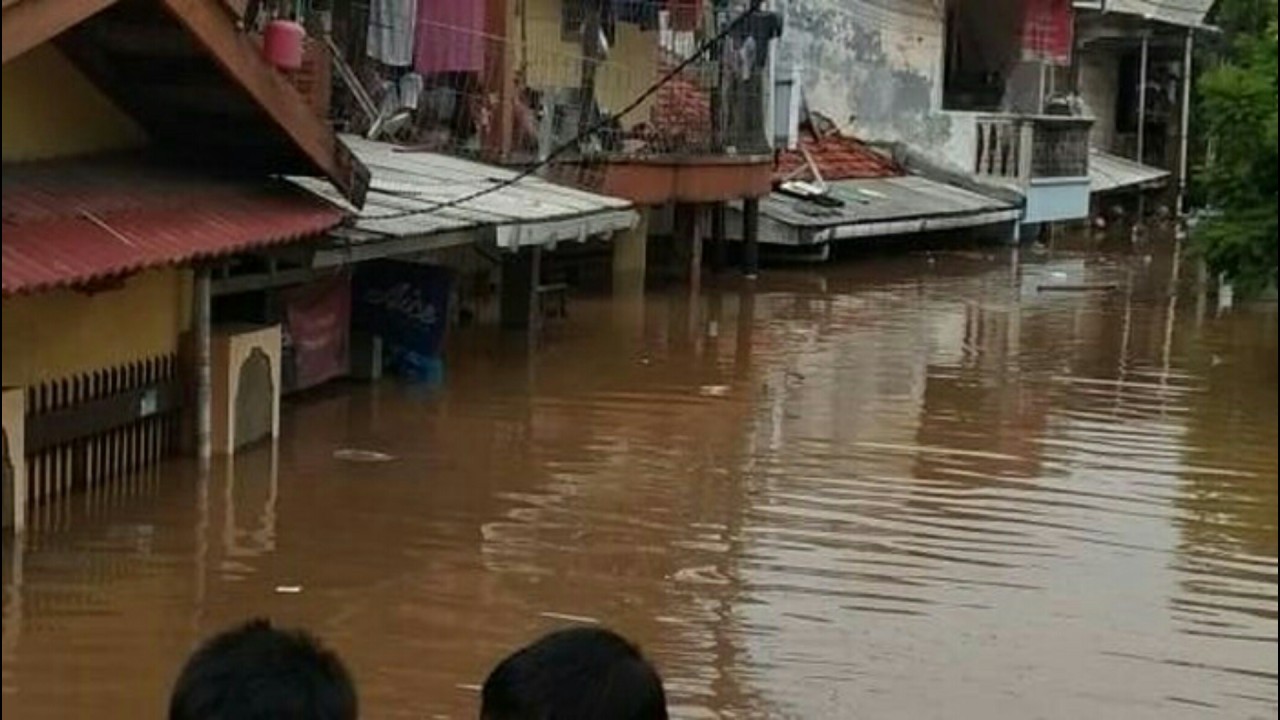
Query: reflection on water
905, 488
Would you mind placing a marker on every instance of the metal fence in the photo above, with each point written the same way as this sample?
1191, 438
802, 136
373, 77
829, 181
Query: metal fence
92, 428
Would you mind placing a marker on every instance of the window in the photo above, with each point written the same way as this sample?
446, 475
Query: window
982, 44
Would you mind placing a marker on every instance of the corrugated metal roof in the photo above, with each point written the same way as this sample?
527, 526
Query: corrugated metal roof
70, 223
880, 200
1109, 172
408, 186
1189, 13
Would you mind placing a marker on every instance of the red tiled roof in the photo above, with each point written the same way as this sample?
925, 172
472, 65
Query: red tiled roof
71, 223
838, 157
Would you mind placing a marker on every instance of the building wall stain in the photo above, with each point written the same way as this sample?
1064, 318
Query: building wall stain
874, 66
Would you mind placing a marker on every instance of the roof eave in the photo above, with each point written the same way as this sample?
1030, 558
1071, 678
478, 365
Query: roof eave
30, 23
212, 26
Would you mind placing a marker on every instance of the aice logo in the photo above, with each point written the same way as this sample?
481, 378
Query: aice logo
403, 299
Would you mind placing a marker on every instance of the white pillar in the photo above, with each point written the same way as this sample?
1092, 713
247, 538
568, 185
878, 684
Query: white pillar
15, 481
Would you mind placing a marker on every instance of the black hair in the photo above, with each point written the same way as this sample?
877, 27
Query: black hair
257, 672
582, 673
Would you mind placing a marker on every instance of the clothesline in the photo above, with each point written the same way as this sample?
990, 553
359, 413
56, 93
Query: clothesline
407, 33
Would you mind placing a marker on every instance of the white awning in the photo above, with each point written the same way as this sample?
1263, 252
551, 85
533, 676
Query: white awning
407, 189
1108, 173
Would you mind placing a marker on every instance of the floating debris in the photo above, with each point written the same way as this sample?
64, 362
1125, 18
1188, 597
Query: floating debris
288, 589
702, 575
714, 390
581, 619
361, 456
1100, 287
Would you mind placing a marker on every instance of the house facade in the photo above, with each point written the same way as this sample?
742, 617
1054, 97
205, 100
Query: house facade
1135, 71
140, 144
624, 99
966, 84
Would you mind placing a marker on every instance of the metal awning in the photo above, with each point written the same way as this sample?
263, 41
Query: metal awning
1108, 173
408, 187
1187, 13
879, 207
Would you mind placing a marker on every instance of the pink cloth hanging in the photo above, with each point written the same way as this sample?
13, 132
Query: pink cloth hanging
1048, 31
451, 36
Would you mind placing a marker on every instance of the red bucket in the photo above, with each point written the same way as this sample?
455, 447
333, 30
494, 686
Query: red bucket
282, 44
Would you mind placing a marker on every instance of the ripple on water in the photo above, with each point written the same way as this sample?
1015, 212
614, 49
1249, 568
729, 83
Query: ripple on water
889, 489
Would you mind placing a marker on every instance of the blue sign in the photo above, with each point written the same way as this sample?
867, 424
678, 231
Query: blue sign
406, 304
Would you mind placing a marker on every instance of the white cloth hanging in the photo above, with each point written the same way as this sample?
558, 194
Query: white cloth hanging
391, 31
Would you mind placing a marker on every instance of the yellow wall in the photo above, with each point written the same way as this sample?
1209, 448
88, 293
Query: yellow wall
632, 65
64, 332
52, 110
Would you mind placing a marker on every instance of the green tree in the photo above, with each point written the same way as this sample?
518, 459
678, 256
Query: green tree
1238, 107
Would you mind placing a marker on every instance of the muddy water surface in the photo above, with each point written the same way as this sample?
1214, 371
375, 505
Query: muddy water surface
904, 488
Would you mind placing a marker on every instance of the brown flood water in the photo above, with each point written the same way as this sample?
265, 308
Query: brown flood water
902, 488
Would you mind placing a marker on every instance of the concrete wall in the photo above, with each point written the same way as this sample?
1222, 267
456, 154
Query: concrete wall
878, 68
879, 62
63, 332
51, 110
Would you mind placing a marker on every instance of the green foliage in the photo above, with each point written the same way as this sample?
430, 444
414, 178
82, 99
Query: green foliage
1239, 110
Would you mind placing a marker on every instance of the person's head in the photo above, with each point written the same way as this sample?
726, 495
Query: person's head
256, 672
575, 674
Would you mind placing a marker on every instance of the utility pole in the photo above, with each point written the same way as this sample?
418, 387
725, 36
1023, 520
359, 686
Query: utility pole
1184, 159
1142, 120
202, 319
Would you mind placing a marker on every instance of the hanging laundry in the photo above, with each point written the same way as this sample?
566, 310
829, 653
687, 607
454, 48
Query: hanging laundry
410, 88
637, 12
391, 31
451, 36
745, 54
745, 93
761, 29
1047, 31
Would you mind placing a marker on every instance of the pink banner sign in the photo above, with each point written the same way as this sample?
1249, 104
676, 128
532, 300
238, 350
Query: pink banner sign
319, 327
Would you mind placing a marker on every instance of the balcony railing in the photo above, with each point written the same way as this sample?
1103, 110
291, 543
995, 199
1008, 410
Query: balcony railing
1023, 149
521, 97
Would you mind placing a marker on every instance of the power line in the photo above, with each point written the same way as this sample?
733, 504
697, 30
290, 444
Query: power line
599, 125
